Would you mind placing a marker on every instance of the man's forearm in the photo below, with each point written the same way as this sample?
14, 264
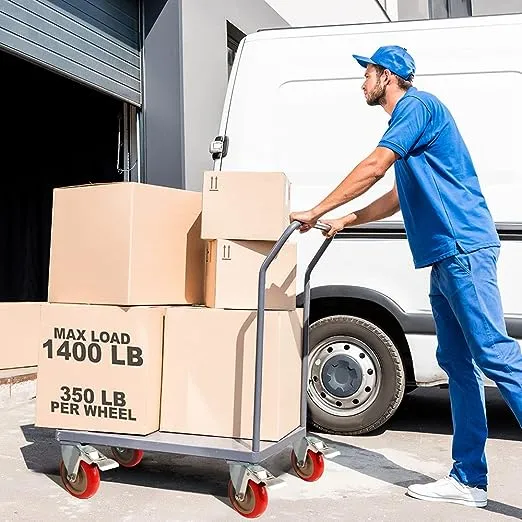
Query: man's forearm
361, 179
381, 208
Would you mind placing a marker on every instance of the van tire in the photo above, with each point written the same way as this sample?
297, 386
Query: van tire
376, 376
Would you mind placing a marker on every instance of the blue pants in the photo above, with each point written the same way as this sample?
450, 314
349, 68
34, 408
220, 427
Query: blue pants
471, 333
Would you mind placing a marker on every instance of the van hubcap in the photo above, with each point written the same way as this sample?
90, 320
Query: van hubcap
345, 376
341, 376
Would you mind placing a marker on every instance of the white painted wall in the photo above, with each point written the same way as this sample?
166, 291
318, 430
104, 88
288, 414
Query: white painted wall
325, 12
392, 9
205, 70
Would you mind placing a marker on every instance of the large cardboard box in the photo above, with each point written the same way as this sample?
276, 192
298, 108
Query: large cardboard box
20, 330
245, 205
209, 368
232, 275
126, 244
99, 368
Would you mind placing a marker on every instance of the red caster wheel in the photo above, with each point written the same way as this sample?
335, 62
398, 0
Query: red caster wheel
127, 457
313, 467
86, 483
255, 502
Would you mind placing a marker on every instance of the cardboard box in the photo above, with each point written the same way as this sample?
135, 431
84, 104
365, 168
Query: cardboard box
126, 244
99, 368
209, 368
20, 327
232, 275
245, 205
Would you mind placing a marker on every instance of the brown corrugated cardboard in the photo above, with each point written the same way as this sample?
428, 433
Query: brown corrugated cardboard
126, 244
19, 324
232, 274
99, 368
209, 368
245, 205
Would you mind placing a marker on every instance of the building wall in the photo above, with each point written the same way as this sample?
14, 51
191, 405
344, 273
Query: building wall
162, 155
485, 7
419, 9
413, 9
325, 12
392, 9
205, 70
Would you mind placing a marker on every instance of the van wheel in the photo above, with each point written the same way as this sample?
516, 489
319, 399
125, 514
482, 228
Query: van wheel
356, 377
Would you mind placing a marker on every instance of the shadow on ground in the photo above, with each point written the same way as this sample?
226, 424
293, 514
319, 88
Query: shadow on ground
377, 466
428, 411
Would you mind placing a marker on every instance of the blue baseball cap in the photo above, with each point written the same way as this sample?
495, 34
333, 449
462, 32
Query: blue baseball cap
391, 57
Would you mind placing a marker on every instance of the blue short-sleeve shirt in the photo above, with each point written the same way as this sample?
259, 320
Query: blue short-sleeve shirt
441, 201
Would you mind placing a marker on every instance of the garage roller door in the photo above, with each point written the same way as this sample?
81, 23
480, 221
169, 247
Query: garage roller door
95, 42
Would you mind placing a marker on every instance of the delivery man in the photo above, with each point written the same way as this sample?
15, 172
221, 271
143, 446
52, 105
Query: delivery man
449, 227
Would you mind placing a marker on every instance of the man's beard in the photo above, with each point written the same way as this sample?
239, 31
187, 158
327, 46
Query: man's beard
377, 96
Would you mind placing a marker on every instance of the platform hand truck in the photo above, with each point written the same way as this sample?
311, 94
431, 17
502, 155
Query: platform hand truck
247, 490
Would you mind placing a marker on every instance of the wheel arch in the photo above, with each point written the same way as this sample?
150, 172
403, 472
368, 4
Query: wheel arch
375, 307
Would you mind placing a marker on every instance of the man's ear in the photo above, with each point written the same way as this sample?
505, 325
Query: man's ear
387, 76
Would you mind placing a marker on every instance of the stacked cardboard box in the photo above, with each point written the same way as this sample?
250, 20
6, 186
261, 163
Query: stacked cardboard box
209, 352
120, 254
152, 302
19, 323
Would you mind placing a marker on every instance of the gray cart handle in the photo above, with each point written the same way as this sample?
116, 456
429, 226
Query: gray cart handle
261, 326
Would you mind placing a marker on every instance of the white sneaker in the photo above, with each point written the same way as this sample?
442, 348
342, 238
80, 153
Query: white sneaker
449, 490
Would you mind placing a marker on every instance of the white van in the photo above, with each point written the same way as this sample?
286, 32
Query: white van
294, 104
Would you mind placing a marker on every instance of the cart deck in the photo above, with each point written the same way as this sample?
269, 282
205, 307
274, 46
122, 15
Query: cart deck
234, 450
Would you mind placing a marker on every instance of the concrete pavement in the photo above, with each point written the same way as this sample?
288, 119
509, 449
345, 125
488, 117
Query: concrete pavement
366, 482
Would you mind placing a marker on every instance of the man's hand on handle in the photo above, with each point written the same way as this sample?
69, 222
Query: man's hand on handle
307, 218
337, 225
